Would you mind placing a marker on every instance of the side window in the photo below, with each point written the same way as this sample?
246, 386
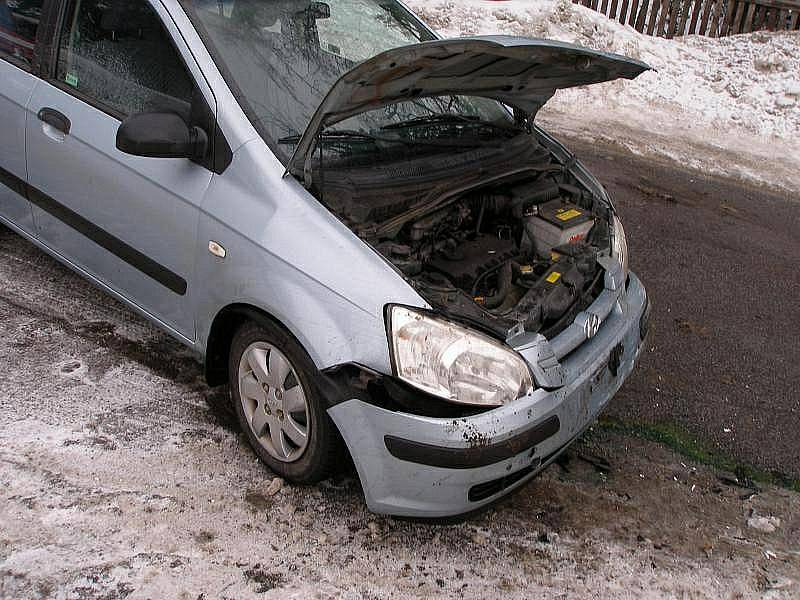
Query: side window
19, 21
118, 54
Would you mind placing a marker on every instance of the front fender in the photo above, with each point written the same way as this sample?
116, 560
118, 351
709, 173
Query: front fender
290, 257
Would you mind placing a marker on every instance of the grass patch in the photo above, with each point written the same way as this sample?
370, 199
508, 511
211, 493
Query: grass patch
685, 444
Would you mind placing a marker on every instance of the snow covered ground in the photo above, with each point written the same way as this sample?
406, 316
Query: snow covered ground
729, 106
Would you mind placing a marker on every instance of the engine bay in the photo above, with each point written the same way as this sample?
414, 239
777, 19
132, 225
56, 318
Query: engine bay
508, 250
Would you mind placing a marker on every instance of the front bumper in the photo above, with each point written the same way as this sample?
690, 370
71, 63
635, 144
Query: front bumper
418, 466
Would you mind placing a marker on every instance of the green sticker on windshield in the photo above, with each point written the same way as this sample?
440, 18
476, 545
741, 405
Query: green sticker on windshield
71, 79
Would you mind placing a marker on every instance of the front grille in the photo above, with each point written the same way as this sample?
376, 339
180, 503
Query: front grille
582, 303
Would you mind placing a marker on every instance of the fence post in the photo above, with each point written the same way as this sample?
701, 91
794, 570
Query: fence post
713, 18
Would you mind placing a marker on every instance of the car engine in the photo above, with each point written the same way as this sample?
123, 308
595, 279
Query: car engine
506, 251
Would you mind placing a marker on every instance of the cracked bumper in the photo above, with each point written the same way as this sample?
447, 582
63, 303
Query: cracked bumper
418, 466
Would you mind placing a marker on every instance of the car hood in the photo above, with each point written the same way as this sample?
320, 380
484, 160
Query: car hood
521, 72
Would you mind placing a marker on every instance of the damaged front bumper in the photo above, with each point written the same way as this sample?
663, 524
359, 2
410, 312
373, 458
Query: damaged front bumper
417, 466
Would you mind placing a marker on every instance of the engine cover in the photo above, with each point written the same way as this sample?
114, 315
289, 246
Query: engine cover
466, 263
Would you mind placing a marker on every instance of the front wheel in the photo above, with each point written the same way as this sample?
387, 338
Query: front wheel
275, 388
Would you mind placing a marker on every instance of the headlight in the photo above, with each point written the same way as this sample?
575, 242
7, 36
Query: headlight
619, 246
453, 362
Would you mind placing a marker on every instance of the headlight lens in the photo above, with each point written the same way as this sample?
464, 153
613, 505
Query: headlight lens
455, 363
620, 245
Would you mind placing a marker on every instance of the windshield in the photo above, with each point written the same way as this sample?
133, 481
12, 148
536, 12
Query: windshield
281, 57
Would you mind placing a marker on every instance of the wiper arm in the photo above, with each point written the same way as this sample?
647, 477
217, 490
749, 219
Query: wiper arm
436, 119
447, 119
346, 135
333, 136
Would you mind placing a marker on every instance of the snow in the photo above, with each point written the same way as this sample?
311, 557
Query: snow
725, 105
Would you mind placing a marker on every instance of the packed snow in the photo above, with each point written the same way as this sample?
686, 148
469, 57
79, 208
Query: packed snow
729, 105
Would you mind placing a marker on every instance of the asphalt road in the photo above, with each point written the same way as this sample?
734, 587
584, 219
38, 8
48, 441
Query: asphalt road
719, 259
721, 264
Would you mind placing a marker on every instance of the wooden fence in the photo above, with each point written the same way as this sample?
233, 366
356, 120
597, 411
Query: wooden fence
714, 18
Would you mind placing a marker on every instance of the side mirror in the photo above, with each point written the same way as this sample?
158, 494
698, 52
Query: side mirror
319, 10
161, 135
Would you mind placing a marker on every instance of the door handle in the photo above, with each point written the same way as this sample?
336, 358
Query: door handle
55, 119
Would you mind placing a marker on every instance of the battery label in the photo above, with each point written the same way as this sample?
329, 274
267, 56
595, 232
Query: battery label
568, 215
553, 277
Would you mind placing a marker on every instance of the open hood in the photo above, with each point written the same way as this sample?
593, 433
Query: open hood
521, 72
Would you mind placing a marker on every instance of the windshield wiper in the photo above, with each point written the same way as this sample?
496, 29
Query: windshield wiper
448, 119
333, 136
346, 135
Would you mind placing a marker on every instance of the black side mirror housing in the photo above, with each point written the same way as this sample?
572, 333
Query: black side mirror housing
161, 135
320, 10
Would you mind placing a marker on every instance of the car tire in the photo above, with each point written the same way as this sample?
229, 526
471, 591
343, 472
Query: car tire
276, 393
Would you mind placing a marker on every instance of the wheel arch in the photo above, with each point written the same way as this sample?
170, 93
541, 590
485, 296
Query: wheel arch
220, 337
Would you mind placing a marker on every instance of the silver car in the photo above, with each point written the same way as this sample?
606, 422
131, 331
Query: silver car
356, 225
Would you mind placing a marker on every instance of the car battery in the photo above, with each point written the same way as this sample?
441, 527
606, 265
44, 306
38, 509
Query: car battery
556, 224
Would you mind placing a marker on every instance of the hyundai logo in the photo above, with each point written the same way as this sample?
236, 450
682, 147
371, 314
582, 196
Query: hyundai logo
592, 325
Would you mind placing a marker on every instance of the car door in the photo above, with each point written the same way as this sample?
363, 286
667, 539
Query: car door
19, 22
128, 221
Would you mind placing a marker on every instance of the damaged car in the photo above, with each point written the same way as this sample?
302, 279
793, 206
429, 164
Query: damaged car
358, 226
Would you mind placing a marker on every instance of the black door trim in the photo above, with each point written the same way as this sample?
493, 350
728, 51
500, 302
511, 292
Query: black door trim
98, 235
12, 181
